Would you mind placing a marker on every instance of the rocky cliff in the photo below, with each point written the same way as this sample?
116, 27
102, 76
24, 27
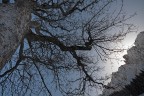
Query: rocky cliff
134, 60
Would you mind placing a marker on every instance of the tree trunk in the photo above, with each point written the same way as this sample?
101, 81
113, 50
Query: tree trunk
14, 24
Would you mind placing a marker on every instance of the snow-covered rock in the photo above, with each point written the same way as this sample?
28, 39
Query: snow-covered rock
134, 60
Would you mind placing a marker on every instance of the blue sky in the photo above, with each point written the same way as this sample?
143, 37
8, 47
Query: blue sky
130, 7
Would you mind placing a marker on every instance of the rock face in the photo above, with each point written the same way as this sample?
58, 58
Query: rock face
134, 60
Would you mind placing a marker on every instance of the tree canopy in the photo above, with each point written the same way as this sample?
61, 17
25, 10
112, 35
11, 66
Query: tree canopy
56, 55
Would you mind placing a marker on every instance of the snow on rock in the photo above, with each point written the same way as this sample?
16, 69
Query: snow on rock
134, 63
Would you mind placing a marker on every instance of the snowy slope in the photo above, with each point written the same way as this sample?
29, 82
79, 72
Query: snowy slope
134, 60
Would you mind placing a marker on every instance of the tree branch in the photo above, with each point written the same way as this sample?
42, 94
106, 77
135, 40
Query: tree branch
34, 37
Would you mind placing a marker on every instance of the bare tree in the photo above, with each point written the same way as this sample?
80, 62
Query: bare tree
53, 56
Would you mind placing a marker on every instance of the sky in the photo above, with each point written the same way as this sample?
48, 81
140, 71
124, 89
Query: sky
130, 7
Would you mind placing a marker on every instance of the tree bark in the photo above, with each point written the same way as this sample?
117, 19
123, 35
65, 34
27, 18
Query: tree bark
14, 24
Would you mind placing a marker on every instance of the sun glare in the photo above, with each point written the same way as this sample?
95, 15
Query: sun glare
127, 43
